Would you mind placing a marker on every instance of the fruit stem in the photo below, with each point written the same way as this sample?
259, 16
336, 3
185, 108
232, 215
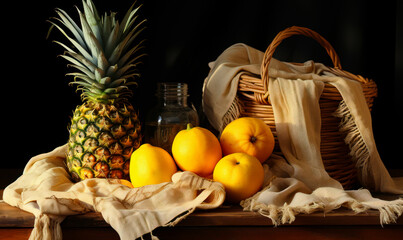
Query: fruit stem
253, 139
189, 126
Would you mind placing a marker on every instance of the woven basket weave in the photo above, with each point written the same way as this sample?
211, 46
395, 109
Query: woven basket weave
253, 95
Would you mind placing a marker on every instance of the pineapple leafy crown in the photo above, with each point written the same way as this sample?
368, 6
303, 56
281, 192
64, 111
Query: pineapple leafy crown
105, 52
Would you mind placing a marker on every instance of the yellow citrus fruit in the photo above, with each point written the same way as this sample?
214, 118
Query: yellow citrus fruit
120, 181
151, 165
126, 183
197, 150
241, 174
248, 135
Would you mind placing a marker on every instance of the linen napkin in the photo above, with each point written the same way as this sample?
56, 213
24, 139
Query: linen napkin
299, 183
45, 190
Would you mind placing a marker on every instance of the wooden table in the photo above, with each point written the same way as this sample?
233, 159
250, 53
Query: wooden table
227, 222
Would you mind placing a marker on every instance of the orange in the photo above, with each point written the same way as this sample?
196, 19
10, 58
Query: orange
248, 135
241, 174
151, 165
197, 150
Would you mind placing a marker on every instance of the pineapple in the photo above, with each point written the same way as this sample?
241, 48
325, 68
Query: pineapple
105, 53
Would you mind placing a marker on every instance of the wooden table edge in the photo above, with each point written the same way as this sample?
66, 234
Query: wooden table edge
13, 217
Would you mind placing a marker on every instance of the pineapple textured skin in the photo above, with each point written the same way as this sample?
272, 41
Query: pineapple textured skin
102, 139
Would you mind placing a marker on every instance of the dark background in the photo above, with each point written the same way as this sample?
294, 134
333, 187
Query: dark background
183, 36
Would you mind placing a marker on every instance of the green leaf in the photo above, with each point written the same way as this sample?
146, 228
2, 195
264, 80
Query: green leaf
102, 61
124, 69
93, 8
131, 76
76, 64
112, 40
115, 56
111, 70
71, 25
137, 33
85, 96
87, 63
86, 86
93, 21
117, 83
74, 42
106, 27
83, 69
129, 14
99, 74
105, 81
88, 80
131, 52
90, 39
115, 89
131, 64
64, 46
74, 61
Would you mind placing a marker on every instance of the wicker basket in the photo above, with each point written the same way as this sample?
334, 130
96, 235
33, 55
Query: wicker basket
254, 96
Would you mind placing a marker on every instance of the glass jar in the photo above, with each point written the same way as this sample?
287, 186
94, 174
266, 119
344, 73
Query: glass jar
169, 116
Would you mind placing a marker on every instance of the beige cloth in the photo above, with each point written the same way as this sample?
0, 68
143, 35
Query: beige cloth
45, 190
299, 183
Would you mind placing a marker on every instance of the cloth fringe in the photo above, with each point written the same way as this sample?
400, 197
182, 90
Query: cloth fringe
150, 234
358, 150
46, 228
390, 212
285, 214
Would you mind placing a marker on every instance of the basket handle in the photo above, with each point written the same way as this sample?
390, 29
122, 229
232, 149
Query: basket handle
286, 33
